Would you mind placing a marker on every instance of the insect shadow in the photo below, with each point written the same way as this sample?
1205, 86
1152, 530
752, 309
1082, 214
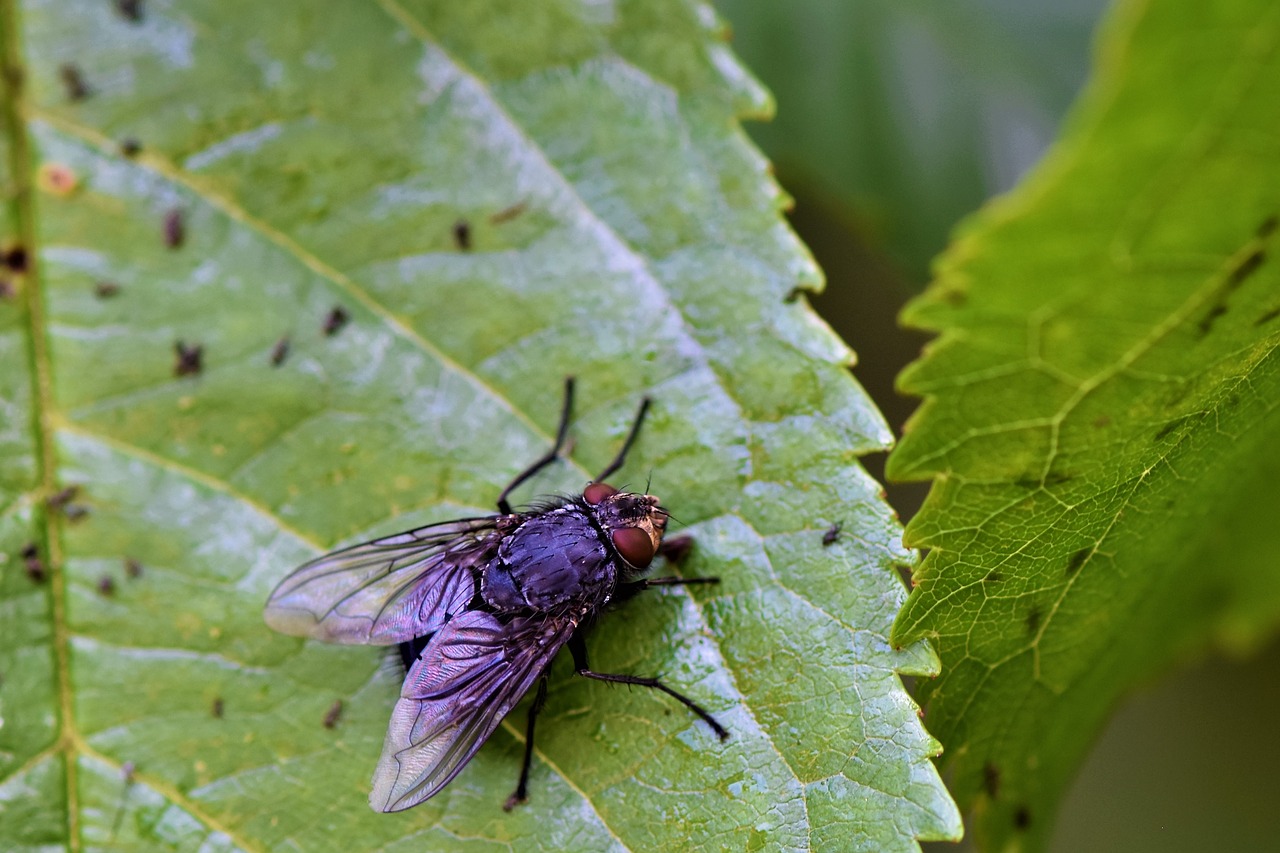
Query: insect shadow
479, 608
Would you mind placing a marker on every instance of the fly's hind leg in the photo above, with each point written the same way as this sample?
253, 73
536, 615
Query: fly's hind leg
579, 650
521, 793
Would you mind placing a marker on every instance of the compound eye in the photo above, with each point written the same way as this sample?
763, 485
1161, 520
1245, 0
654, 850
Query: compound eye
634, 545
597, 492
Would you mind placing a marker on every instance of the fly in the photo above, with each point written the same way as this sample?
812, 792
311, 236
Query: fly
480, 607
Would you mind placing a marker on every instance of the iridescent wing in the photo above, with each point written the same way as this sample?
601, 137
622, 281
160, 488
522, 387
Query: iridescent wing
470, 675
387, 591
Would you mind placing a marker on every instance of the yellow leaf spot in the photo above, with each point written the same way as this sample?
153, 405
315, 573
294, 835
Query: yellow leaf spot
57, 179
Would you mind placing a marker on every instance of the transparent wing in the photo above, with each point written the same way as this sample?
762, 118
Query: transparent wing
470, 676
386, 591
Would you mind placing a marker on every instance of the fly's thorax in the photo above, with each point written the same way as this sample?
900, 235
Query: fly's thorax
634, 523
552, 558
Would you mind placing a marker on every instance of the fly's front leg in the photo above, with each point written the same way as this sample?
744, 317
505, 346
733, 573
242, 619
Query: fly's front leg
578, 648
627, 591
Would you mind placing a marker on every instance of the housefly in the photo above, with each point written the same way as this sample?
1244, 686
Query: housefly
480, 607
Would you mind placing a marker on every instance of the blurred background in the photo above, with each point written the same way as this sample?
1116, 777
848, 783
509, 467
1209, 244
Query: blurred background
895, 119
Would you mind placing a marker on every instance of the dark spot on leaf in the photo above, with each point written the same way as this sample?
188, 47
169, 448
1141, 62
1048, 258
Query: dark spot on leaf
1207, 321
1057, 478
1102, 421
1168, 428
217, 707
993, 577
1028, 483
1077, 560
1246, 267
954, 297
832, 534
15, 258
73, 82
62, 497
130, 147
106, 586
462, 235
1267, 227
508, 213
32, 563
1022, 818
106, 289
334, 713
75, 512
1268, 316
175, 228
6, 289
1242, 270
335, 320
280, 351
130, 10
1033, 619
188, 359
991, 779
132, 568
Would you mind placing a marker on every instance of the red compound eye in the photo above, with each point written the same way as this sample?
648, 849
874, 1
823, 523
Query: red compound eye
634, 545
597, 492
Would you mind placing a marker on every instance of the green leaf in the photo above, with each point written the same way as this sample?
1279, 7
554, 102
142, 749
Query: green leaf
1101, 411
620, 229
907, 114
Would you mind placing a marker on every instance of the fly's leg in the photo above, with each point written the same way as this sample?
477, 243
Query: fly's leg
521, 794
626, 445
675, 549
579, 650
627, 591
546, 459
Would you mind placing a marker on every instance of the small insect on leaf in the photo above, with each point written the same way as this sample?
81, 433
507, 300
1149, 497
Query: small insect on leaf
217, 707
130, 147
132, 568
106, 289
832, 534
479, 608
106, 586
188, 359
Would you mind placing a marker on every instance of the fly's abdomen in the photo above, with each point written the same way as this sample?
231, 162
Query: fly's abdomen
549, 560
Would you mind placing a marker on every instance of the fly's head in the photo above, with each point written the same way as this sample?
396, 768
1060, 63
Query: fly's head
635, 523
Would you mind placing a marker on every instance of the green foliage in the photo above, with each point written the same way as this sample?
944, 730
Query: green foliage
619, 227
1101, 411
905, 114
